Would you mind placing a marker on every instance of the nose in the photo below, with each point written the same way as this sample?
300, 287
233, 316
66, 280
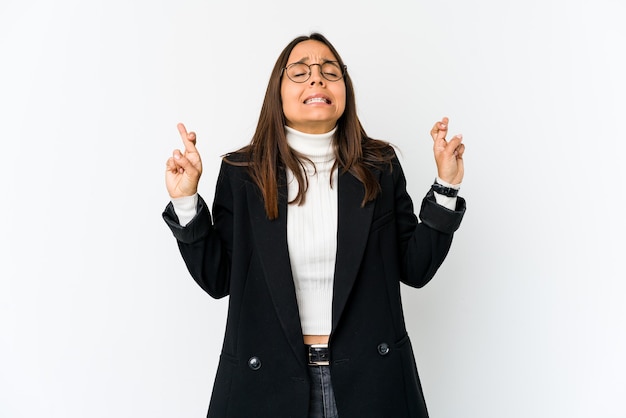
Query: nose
316, 76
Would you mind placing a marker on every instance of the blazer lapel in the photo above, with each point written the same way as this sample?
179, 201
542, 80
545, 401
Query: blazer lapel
271, 242
353, 230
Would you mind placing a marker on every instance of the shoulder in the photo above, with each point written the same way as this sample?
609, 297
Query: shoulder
236, 162
234, 169
377, 149
237, 158
380, 155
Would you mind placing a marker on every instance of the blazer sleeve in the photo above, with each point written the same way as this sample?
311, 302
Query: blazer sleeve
423, 243
206, 244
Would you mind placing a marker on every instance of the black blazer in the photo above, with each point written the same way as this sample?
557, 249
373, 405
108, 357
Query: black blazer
262, 370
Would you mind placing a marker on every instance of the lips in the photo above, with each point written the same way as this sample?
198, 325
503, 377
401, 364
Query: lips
317, 99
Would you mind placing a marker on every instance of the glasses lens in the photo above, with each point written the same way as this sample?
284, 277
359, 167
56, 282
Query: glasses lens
332, 71
298, 72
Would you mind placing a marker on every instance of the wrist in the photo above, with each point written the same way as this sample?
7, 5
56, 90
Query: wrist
443, 182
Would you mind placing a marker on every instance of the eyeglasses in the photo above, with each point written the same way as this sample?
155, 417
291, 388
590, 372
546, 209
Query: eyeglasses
299, 72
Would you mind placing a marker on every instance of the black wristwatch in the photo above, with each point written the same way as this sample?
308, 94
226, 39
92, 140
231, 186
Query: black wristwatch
443, 190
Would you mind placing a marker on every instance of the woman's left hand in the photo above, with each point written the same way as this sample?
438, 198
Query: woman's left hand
448, 154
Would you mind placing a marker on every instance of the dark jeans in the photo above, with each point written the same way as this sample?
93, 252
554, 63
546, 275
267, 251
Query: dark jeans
322, 396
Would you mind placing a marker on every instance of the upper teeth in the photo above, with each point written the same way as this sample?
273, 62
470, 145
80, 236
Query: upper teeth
316, 99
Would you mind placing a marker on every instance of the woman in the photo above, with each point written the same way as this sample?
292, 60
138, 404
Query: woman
311, 233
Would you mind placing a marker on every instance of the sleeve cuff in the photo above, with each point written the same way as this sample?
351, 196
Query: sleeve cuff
185, 208
439, 217
196, 229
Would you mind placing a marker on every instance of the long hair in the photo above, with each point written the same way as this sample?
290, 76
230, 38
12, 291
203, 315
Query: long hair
268, 151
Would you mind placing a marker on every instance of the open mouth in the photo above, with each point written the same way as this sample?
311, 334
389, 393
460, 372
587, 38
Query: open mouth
317, 100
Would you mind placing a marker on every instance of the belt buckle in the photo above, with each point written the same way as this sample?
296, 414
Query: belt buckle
314, 347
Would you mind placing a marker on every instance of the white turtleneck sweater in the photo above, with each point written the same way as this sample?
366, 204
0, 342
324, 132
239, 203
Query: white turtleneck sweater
311, 228
312, 231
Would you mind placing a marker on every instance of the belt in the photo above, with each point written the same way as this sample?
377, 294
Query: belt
318, 355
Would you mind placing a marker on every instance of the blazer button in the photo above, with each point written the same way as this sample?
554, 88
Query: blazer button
254, 363
383, 349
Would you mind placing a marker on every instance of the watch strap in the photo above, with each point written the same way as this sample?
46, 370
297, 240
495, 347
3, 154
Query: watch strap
443, 190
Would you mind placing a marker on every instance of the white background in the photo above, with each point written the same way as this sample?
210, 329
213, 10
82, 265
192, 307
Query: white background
98, 316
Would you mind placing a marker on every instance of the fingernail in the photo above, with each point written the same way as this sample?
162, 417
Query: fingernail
177, 156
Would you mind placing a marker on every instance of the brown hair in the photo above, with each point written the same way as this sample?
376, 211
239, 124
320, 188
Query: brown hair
269, 152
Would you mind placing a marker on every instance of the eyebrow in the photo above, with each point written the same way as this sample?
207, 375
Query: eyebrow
304, 60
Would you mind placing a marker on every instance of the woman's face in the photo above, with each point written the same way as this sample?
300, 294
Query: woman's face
313, 106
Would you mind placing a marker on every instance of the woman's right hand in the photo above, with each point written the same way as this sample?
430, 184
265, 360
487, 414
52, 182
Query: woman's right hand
183, 171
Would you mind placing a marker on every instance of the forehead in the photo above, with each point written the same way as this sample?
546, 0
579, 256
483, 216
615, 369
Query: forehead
311, 51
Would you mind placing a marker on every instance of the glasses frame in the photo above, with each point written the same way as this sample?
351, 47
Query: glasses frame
343, 69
